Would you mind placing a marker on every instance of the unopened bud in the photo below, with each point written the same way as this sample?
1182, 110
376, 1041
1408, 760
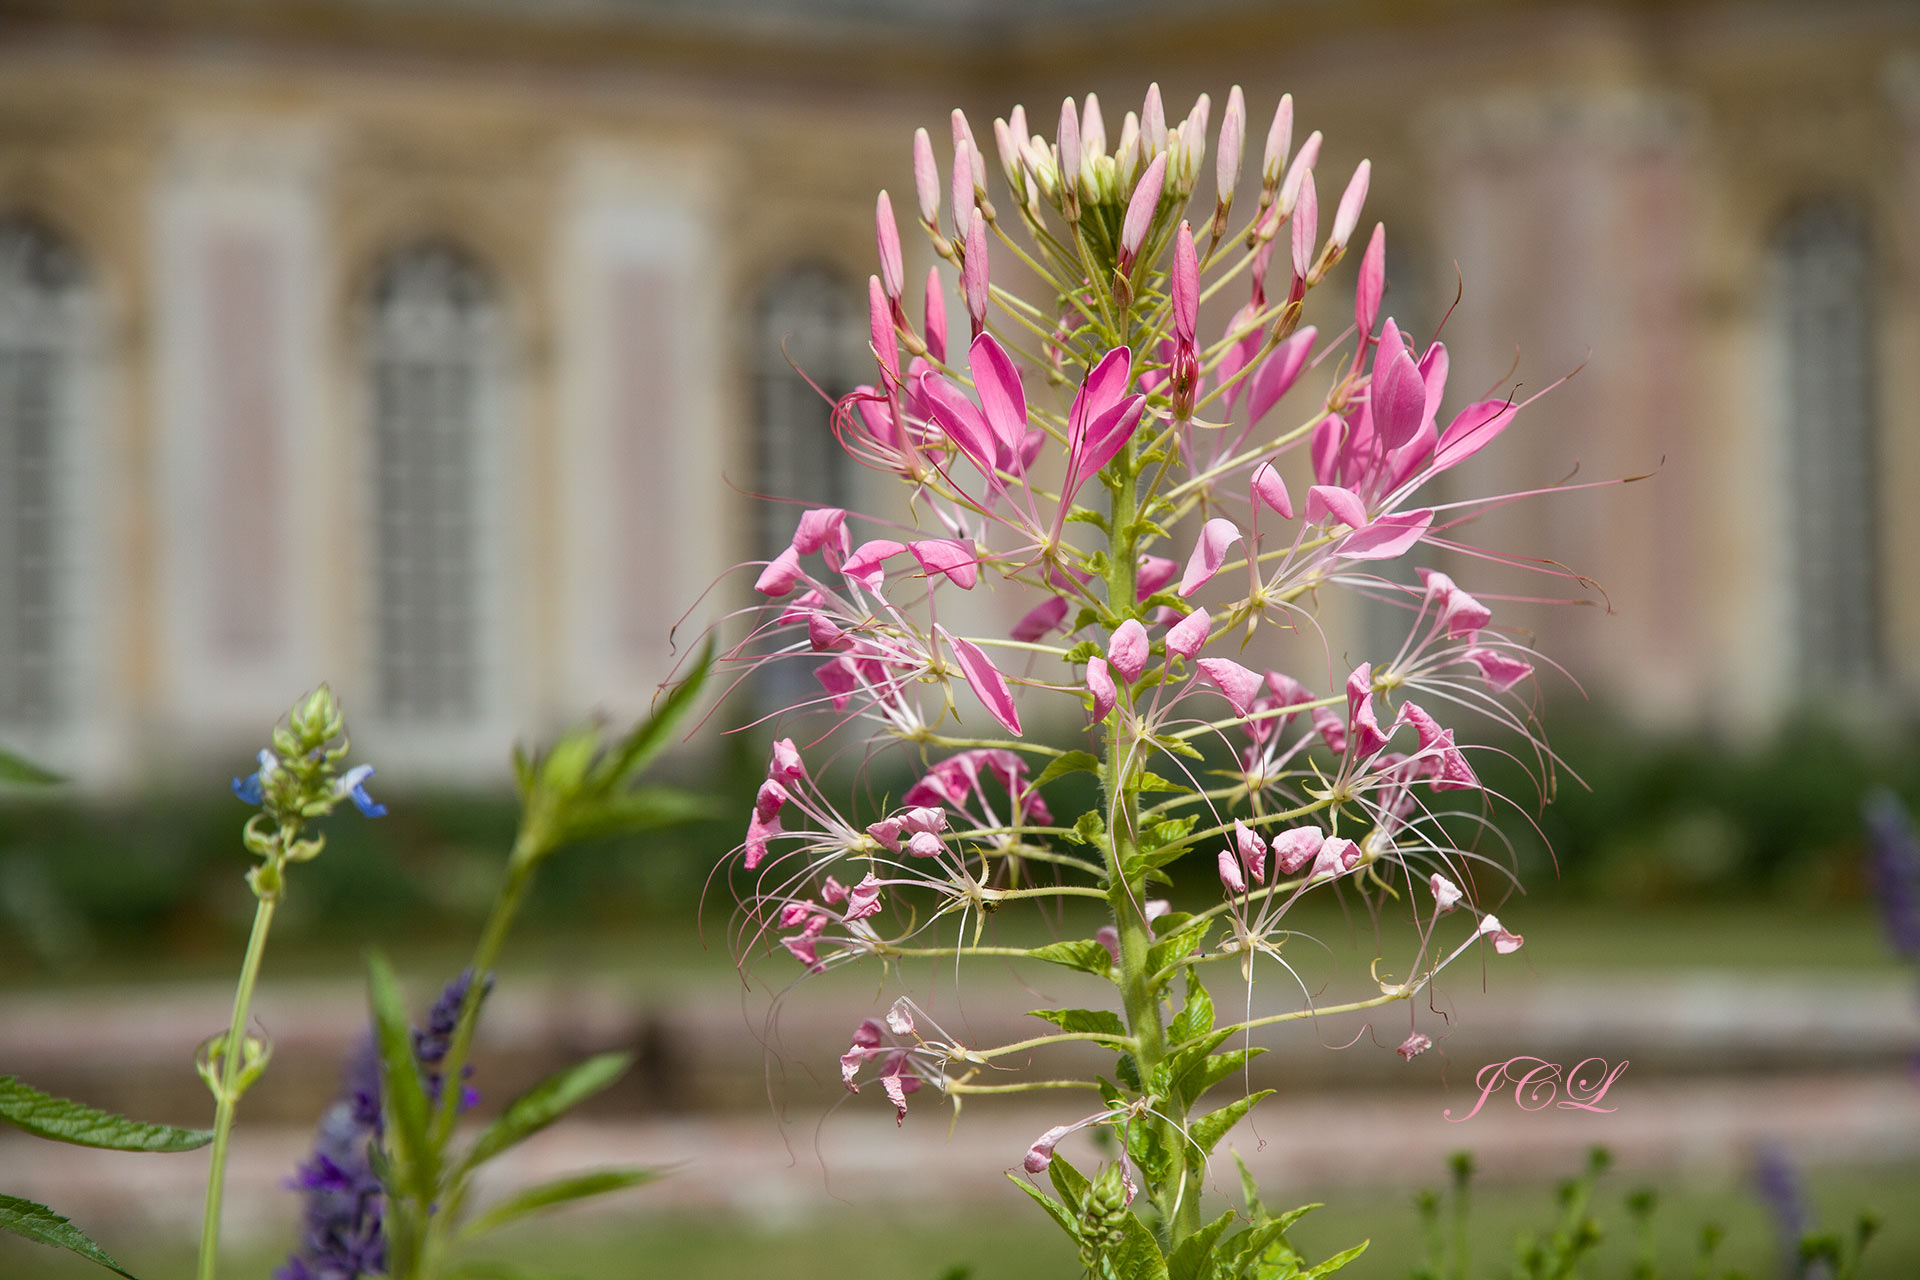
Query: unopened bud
1185, 287
962, 186
1347, 216
973, 275
1302, 166
1093, 128
886, 343
1233, 138
887, 234
1279, 143
1306, 227
1153, 121
1140, 213
1126, 154
935, 322
1069, 145
926, 178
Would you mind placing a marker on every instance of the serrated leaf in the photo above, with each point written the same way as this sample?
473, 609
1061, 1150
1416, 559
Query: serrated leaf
1178, 945
1055, 1210
1207, 1131
1188, 1261
1084, 515
1069, 1182
1086, 648
1138, 1256
554, 1194
546, 1102
1100, 1021
62, 1120
19, 769
36, 1222
1083, 954
414, 1162
1071, 762
1211, 1070
1196, 1016
1090, 828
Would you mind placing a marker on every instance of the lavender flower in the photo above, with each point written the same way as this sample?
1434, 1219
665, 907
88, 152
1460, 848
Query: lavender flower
430, 1046
1893, 853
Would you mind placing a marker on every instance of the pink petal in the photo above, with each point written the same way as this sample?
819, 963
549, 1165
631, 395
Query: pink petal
786, 767
1040, 1154
1127, 650
1329, 437
1209, 553
822, 634
1069, 145
1230, 872
1361, 720
1189, 635
936, 317
1154, 573
1296, 847
1433, 374
1414, 1045
1389, 536
863, 900
1042, 619
986, 681
1278, 372
1106, 436
863, 566
1141, 208
1251, 848
1185, 286
1240, 685
974, 265
886, 342
1446, 894
887, 234
780, 574
822, 527
1347, 216
1100, 684
1332, 730
1373, 281
1269, 488
963, 424
926, 177
925, 844
1504, 941
1501, 670
900, 1016
957, 559
1273, 161
1242, 352
833, 892
1306, 225
1457, 611
1002, 399
770, 799
1344, 505
1472, 429
1398, 397
1233, 140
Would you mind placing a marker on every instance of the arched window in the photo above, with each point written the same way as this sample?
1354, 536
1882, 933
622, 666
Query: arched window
432, 363
43, 316
813, 319
1823, 299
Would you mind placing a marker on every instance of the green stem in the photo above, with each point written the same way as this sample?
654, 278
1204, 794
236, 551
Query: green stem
228, 1096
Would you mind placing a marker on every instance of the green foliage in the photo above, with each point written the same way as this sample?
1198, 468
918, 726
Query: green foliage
546, 1102
1068, 762
1083, 954
554, 1194
62, 1120
24, 772
42, 1225
1100, 1021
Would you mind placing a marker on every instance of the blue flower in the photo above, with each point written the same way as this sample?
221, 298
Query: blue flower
352, 785
252, 788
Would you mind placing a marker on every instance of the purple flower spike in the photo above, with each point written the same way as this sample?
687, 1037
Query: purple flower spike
1893, 852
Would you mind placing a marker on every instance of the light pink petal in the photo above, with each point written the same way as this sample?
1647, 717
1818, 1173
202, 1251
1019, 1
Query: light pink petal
1332, 729
986, 681
1455, 773
1433, 375
1269, 488
1185, 286
1002, 399
1141, 208
1501, 670
1329, 437
1297, 172
950, 556
926, 177
936, 317
1230, 872
1306, 225
1373, 281
1273, 162
897, 1088
887, 233
819, 528
974, 266
1189, 635
1127, 650
759, 831
1472, 429
925, 844
1389, 536
1347, 216
1505, 941
863, 900
1240, 685
1296, 847
1042, 619
780, 574
786, 767
1209, 553
1344, 505
1068, 142
1398, 397
1100, 684
1154, 573
1446, 894
1278, 372
963, 424
833, 892
1251, 848
900, 1016
886, 342
960, 185
1106, 436
1457, 611
864, 565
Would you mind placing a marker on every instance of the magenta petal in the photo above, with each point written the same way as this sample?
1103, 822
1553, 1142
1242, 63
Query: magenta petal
1189, 635
1329, 434
1344, 505
1240, 685
1230, 872
1472, 429
950, 556
1106, 436
1127, 649
821, 527
1501, 670
1389, 536
1002, 399
1251, 848
1398, 397
1100, 685
1457, 611
1209, 553
1185, 286
1373, 281
1278, 372
886, 342
1306, 225
780, 574
1433, 373
863, 566
1141, 208
1041, 620
986, 681
1269, 488
1154, 573
963, 424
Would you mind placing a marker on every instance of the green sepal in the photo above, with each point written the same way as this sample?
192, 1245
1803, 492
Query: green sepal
549, 1195
34, 1221
414, 1166
1207, 1131
1100, 1021
1071, 762
1083, 954
546, 1102
62, 1120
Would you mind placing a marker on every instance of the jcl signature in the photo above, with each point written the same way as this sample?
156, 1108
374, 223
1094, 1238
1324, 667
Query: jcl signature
1538, 1083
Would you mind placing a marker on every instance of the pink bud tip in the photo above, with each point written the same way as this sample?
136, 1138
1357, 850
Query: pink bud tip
1306, 228
1279, 142
1069, 143
926, 177
973, 274
963, 153
1153, 120
887, 234
1186, 285
1140, 210
1093, 128
1233, 140
1297, 173
1347, 216
936, 317
1372, 285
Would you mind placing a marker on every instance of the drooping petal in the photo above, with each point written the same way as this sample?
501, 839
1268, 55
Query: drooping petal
925, 844
1331, 728
1501, 670
1002, 399
1454, 609
1389, 536
1362, 722
963, 424
1230, 872
1040, 1154
1240, 685
1344, 505
986, 681
1251, 848
822, 527
956, 559
863, 900
1269, 488
1041, 620
1154, 573
1278, 372
1127, 650
1505, 942
1414, 1045
1100, 684
1189, 635
1209, 553
1296, 847
864, 565
780, 574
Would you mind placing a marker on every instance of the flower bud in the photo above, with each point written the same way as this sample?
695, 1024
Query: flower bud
1093, 129
1279, 142
1126, 154
1012, 162
1347, 216
1306, 227
973, 275
1069, 159
1153, 121
1302, 166
935, 323
1372, 285
887, 233
1189, 635
1140, 212
1233, 138
1196, 123
1185, 287
926, 178
962, 187
886, 343
1230, 872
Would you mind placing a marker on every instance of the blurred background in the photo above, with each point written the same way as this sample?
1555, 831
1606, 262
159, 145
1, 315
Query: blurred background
438, 347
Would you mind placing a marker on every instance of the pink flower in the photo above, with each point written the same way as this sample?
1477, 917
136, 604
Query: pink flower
1209, 553
1127, 650
863, 899
1103, 419
1100, 684
1154, 573
1189, 635
1296, 847
1347, 216
1041, 620
1270, 490
1501, 670
985, 680
1140, 211
1252, 849
1240, 685
926, 178
1230, 872
1336, 857
1277, 374
1362, 723
1504, 941
1459, 613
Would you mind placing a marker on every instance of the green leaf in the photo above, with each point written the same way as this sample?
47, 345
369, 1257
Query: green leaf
1197, 1017
1138, 1256
1083, 954
1101, 1021
1083, 515
1178, 945
1207, 1131
1151, 781
1069, 1182
644, 809
1085, 649
550, 1195
15, 768
1090, 828
1201, 1076
1337, 1261
59, 1120
546, 1102
414, 1162
1071, 762
1187, 1261
1055, 1210
42, 1225
1250, 1190
638, 749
